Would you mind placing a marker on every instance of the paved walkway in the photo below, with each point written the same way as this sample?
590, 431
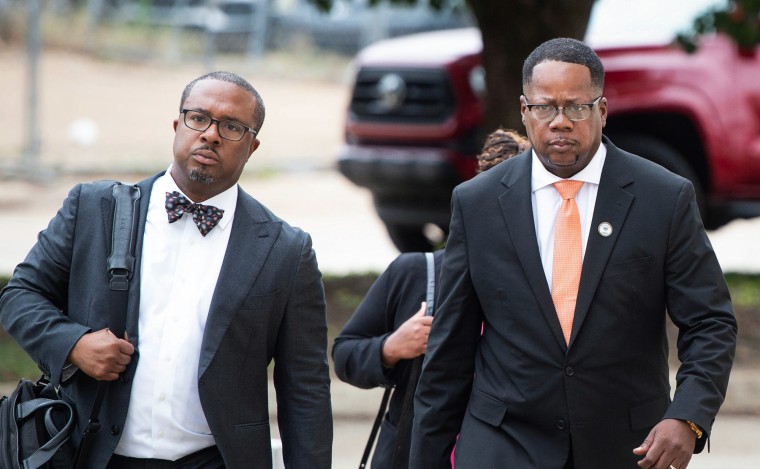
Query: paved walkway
734, 441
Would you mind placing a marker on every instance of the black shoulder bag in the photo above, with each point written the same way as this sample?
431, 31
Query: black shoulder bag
35, 422
401, 450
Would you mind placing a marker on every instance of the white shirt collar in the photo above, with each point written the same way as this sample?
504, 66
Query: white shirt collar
592, 173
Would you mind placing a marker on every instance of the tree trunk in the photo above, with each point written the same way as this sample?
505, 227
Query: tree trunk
510, 31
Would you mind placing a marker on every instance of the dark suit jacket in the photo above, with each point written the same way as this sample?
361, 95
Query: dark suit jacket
518, 392
268, 305
393, 298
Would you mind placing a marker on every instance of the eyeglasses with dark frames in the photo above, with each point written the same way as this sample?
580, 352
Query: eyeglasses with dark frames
574, 112
228, 129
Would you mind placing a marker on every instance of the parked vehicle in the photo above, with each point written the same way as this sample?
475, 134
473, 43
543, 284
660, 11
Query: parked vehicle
232, 25
413, 126
353, 24
346, 28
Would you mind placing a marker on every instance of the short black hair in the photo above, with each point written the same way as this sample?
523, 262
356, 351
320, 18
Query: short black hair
259, 111
568, 50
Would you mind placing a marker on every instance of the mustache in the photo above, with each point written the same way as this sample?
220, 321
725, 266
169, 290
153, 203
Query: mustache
206, 148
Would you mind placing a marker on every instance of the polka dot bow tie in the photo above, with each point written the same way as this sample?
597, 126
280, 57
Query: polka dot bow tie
205, 217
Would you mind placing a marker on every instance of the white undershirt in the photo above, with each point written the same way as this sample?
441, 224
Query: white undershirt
547, 201
178, 276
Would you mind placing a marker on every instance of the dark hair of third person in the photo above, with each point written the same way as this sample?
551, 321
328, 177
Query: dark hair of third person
500, 145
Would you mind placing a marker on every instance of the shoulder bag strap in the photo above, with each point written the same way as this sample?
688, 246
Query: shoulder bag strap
375, 428
403, 437
121, 264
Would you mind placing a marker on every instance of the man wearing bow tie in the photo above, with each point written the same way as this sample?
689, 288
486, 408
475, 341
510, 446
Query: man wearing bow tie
221, 288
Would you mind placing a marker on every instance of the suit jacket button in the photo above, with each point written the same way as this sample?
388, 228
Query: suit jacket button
561, 424
115, 430
569, 371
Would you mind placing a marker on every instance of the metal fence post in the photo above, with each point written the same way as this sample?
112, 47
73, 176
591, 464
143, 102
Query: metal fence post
31, 156
257, 33
94, 9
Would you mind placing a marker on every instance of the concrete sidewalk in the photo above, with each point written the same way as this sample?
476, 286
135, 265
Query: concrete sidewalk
734, 439
733, 442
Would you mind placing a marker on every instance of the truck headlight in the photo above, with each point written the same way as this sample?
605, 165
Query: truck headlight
477, 80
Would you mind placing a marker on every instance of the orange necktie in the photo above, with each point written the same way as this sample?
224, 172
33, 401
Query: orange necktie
566, 270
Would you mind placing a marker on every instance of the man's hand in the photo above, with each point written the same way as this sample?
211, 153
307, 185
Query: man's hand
101, 355
670, 444
409, 340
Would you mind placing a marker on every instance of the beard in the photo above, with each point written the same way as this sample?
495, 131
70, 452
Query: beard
201, 176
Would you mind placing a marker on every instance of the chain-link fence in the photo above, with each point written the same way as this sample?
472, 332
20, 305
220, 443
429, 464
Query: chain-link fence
177, 29
180, 32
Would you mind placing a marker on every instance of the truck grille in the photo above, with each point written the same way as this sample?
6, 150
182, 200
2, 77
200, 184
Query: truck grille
402, 96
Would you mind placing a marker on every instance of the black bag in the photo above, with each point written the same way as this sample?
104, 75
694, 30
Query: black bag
35, 426
35, 422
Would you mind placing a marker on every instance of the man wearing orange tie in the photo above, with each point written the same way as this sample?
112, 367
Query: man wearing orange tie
573, 255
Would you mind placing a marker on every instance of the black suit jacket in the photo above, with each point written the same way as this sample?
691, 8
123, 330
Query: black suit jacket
268, 305
518, 392
357, 353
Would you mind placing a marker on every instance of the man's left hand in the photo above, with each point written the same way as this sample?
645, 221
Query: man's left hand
670, 444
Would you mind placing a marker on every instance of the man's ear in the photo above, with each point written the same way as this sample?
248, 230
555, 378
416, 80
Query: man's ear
174, 125
254, 145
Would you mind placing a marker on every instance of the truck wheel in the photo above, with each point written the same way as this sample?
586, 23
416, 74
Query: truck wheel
663, 154
409, 238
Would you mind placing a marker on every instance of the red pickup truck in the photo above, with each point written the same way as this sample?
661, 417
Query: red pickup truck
414, 122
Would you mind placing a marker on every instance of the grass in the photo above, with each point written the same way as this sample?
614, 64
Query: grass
14, 362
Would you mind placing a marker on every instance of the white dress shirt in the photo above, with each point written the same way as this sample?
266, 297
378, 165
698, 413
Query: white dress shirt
547, 201
178, 275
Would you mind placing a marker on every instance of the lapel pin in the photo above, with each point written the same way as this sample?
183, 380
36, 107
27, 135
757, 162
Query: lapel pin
605, 229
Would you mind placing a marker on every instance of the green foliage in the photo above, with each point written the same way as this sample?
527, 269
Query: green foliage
739, 20
745, 290
14, 362
344, 293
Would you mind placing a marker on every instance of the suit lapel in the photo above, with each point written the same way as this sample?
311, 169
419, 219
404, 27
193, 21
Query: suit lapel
146, 188
613, 202
252, 237
517, 209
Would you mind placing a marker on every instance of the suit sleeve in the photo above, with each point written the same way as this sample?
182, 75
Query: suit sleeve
699, 304
33, 304
444, 386
301, 374
357, 352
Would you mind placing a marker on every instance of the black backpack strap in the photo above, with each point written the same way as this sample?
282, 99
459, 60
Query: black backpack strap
121, 262
121, 265
403, 437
